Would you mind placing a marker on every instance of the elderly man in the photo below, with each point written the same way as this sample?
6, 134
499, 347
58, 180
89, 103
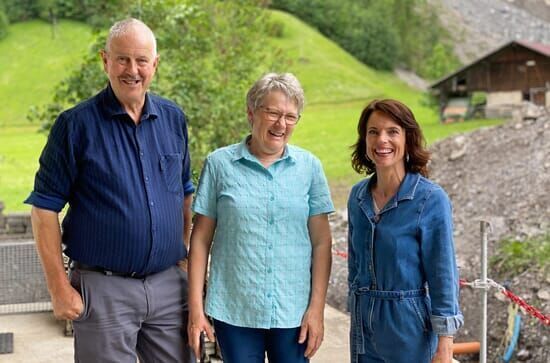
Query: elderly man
121, 161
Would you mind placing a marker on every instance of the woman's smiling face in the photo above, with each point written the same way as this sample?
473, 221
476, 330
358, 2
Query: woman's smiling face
385, 141
270, 137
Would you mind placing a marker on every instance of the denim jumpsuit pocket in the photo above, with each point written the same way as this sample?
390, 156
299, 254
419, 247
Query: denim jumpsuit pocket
419, 308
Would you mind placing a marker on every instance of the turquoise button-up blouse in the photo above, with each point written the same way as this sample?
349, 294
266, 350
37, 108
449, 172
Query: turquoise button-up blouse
260, 269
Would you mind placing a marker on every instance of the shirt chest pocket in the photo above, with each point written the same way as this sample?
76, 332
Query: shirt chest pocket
171, 169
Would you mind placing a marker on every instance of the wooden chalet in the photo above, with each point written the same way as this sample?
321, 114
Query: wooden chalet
517, 71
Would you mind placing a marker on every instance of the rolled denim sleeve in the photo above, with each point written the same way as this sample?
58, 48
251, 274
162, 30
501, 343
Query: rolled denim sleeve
446, 325
439, 263
58, 169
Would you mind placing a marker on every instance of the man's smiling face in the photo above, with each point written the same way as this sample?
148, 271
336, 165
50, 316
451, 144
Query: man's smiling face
130, 63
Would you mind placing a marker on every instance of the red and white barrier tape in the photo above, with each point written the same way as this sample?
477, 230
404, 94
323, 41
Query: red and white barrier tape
478, 284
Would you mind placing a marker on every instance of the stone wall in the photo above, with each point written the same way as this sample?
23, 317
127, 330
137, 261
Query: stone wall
14, 225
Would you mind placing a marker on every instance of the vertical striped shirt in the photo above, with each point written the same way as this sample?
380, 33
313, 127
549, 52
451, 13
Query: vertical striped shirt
124, 183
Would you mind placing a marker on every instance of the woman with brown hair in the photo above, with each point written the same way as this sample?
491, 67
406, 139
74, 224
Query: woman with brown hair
403, 280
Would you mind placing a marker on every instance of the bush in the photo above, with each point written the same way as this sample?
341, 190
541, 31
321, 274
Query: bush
20, 10
210, 51
514, 257
440, 62
381, 33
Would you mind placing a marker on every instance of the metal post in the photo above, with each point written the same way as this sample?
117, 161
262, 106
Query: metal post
483, 348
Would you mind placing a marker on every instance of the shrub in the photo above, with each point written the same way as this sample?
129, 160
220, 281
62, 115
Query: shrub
210, 51
381, 33
514, 257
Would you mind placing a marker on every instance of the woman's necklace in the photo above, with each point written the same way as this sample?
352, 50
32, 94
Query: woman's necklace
376, 207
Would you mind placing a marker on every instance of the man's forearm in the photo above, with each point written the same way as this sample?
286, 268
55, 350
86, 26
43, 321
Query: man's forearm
47, 235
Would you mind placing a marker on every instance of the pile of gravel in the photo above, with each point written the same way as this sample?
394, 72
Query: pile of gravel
501, 175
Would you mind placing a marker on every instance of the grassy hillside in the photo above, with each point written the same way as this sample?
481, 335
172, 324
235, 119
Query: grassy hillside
33, 62
337, 88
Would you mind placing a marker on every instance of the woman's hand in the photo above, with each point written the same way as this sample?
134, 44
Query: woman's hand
312, 330
444, 352
198, 323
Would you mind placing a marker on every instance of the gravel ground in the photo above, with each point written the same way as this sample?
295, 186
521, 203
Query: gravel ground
501, 175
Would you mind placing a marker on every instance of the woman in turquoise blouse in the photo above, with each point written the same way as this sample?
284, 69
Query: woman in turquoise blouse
262, 212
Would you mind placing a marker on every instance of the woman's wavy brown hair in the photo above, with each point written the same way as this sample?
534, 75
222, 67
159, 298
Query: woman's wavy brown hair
415, 144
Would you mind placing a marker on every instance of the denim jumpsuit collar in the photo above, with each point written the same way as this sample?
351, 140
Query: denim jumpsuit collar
406, 191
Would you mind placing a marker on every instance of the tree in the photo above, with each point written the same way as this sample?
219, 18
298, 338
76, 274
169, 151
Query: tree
380, 33
210, 55
4, 24
440, 62
19, 10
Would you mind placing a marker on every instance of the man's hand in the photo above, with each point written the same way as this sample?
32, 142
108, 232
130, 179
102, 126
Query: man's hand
182, 264
444, 352
312, 330
198, 323
67, 303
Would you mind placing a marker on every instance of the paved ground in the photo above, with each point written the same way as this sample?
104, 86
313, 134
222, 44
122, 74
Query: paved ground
38, 338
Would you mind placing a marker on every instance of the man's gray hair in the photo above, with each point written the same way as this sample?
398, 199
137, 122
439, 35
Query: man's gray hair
286, 83
123, 27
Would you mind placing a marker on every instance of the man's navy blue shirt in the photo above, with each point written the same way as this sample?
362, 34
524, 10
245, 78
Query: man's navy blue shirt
124, 183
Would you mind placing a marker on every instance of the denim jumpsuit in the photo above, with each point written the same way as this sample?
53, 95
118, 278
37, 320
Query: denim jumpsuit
403, 279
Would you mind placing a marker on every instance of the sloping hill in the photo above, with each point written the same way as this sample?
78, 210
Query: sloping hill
33, 62
337, 87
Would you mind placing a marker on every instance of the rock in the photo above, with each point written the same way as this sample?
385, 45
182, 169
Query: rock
457, 154
543, 294
523, 355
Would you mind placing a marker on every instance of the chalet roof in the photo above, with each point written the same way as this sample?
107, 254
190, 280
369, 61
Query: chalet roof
543, 49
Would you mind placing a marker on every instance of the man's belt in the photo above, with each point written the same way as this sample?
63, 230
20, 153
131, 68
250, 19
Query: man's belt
84, 267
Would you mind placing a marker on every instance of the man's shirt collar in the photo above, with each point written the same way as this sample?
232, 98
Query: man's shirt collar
113, 107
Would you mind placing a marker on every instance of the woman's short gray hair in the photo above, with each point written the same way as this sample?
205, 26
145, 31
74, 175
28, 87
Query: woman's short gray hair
287, 83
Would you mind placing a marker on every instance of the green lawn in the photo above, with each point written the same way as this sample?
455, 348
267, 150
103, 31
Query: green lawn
337, 87
32, 63
19, 150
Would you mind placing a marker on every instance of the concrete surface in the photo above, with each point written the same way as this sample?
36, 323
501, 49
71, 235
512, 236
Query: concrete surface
38, 338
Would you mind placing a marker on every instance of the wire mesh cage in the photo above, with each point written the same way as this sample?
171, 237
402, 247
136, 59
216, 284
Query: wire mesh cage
22, 285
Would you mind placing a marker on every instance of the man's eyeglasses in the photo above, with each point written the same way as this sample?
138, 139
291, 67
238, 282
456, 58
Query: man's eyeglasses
274, 116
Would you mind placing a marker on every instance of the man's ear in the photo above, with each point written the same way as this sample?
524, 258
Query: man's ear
103, 55
156, 61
